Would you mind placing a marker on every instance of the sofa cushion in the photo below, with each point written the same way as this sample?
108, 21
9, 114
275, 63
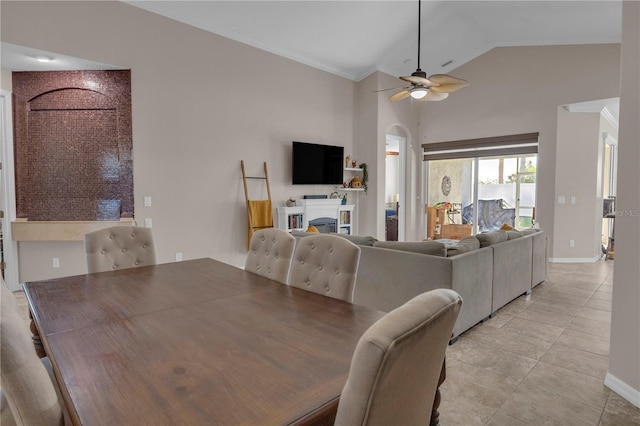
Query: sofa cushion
434, 248
464, 245
359, 240
513, 233
493, 237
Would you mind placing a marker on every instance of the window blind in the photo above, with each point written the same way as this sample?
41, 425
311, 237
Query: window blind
498, 146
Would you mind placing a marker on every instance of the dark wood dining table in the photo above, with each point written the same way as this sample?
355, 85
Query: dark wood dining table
194, 343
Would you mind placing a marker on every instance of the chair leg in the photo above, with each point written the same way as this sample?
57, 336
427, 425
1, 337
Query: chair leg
435, 414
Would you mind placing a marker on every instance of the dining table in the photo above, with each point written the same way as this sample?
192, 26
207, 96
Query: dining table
197, 342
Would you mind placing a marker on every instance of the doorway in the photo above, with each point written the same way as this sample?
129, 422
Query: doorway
394, 199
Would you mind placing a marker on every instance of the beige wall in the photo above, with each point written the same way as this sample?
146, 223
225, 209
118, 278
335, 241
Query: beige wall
375, 116
201, 103
624, 356
517, 90
5, 79
578, 174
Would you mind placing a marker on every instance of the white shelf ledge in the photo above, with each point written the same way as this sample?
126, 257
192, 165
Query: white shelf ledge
351, 189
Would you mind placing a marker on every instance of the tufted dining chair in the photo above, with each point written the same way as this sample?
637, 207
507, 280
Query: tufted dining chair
28, 394
119, 247
270, 253
325, 264
397, 363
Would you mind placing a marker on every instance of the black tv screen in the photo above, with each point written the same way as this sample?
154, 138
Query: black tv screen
315, 164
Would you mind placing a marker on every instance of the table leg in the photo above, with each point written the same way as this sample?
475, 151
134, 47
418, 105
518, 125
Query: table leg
435, 415
35, 337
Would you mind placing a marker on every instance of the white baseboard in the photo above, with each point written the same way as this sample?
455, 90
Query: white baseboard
575, 259
621, 388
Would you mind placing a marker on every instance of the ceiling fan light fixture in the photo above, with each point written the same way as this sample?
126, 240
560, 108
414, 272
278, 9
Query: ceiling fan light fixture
418, 93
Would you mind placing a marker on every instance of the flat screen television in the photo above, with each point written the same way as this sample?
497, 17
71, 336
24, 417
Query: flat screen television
315, 164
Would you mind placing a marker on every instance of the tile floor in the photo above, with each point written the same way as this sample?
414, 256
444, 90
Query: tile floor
540, 361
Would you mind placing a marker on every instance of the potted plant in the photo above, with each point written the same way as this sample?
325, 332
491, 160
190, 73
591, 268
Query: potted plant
365, 176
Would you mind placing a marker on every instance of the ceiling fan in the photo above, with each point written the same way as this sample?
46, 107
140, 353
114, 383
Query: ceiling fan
435, 88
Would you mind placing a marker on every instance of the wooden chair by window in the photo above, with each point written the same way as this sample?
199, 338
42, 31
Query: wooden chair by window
397, 363
119, 247
327, 265
270, 254
29, 395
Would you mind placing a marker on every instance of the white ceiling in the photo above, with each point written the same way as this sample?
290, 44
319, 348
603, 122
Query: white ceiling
354, 38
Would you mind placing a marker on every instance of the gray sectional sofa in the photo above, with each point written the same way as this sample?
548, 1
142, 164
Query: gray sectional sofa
488, 270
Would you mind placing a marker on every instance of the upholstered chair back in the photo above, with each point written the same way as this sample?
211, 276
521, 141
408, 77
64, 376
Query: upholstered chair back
119, 247
326, 264
26, 385
270, 254
397, 362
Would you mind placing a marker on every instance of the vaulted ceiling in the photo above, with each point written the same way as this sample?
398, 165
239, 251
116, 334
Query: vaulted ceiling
355, 38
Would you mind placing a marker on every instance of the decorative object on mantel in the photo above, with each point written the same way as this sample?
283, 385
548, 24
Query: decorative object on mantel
290, 202
365, 176
346, 161
334, 194
435, 88
344, 199
356, 182
354, 164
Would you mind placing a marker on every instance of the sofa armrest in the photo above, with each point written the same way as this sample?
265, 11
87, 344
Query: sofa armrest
472, 276
540, 259
512, 262
389, 278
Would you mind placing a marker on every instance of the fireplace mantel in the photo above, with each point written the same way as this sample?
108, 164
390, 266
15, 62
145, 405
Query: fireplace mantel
306, 210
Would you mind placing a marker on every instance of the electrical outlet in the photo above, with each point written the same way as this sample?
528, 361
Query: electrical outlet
56, 262
561, 199
572, 243
178, 257
573, 199
148, 223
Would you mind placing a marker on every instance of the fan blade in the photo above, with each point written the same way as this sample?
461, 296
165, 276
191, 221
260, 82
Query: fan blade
400, 95
446, 83
393, 88
434, 96
418, 80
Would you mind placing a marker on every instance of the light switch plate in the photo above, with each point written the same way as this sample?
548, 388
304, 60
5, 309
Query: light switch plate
147, 201
148, 223
561, 199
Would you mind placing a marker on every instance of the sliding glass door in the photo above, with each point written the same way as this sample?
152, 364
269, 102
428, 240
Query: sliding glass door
503, 188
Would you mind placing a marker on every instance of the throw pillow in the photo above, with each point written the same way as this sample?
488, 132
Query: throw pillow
493, 237
514, 233
297, 233
464, 245
506, 227
433, 248
312, 230
529, 231
358, 240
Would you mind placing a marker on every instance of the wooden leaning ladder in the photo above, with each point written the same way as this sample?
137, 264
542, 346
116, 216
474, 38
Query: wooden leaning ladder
259, 212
